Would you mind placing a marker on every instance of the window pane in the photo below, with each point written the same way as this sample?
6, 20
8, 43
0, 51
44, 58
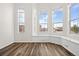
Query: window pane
43, 27
57, 20
21, 17
21, 28
21, 20
20, 10
74, 18
43, 17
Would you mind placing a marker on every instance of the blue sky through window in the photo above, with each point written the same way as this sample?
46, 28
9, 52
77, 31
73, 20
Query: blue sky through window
74, 11
74, 14
21, 17
57, 16
43, 17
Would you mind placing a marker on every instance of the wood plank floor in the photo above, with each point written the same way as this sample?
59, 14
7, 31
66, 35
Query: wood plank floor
34, 49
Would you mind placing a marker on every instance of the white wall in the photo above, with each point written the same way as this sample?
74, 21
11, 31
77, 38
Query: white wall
6, 24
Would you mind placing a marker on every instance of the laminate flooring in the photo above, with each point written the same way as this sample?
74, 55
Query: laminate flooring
34, 49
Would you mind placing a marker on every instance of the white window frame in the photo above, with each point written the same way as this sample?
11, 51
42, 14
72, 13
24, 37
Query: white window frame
61, 32
39, 23
75, 34
20, 10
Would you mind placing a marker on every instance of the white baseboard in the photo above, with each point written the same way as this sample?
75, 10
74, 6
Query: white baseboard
32, 41
6, 45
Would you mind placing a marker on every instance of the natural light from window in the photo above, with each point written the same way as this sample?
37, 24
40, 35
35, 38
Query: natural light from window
74, 18
57, 20
21, 20
43, 20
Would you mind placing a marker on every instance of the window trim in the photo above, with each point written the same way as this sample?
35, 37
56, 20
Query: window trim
70, 32
57, 32
42, 23
19, 20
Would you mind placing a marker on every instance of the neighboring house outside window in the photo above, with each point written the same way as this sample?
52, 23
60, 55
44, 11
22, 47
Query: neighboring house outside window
57, 20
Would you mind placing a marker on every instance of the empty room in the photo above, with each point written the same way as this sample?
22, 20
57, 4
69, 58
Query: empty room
39, 29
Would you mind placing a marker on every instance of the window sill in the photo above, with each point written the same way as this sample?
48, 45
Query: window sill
63, 37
